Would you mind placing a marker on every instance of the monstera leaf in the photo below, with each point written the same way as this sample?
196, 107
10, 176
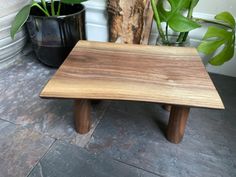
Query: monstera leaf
221, 39
174, 16
227, 18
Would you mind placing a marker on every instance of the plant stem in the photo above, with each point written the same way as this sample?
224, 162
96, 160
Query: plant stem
44, 11
52, 8
211, 21
183, 36
59, 9
158, 21
44, 5
167, 39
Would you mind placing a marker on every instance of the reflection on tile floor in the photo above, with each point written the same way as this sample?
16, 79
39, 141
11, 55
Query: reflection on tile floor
37, 135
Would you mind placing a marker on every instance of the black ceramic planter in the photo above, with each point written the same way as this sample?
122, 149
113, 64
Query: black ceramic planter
54, 37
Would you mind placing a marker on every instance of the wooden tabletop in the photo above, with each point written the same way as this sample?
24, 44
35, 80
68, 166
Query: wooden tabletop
171, 75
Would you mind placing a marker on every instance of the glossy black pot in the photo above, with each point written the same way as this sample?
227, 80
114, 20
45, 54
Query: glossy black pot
54, 37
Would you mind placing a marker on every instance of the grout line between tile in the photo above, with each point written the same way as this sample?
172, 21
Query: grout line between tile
98, 121
9, 122
137, 167
41, 157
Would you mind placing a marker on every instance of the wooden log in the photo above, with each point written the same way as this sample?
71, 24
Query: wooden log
177, 122
147, 22
129, 21
82, 116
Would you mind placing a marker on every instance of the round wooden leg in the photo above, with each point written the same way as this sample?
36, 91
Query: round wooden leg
82, 116
96, 102
166, 107
177, 122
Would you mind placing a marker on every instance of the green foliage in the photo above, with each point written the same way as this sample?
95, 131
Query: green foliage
227, 18
219, 39
23, 14
174, 17
194, 3
20, 19
180, 23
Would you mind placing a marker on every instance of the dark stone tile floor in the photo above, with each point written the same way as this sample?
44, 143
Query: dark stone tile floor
37, 137
20, 103
68, 160
20, 149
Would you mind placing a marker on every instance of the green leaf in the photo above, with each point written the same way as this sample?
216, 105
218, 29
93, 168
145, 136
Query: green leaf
174, 17
180, 23
208, 47
194, 3
214, 31
227, 18
176, 8
73, 1
225, 55
20, 20
213, 40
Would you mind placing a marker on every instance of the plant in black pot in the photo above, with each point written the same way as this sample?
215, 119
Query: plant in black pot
54, 28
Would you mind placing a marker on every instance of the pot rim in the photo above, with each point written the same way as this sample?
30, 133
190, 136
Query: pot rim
61, 16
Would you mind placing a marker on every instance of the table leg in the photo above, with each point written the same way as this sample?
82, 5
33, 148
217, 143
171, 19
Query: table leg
177, 122
95, 102
82, 116
166, 107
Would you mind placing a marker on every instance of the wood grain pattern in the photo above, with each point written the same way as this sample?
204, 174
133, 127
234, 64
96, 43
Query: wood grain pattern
82, 116
171, 75
177, 122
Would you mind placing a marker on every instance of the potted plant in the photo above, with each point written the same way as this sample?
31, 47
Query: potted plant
10, 49
219, 40
54, 28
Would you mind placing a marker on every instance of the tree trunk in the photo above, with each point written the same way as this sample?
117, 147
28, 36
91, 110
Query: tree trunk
129, 21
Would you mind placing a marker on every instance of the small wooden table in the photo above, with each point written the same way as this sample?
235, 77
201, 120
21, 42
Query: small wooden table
167, 75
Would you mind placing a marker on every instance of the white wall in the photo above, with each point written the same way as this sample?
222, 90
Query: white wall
216, 6
96, 22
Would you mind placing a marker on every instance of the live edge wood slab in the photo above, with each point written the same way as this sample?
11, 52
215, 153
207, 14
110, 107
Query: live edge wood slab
167, 75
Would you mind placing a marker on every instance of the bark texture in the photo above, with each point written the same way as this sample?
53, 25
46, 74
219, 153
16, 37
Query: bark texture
129, 20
